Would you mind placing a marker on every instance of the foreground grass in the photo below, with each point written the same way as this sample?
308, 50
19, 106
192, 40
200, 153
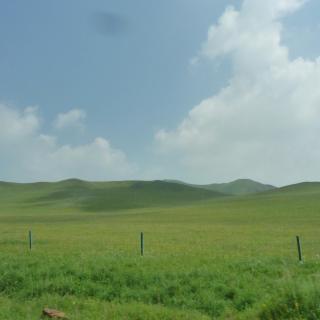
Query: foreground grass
91, 287
230, 258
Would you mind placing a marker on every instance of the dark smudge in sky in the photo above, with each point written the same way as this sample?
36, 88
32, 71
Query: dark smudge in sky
109, 23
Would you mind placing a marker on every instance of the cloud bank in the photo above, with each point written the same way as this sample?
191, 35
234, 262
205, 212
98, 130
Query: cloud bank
29, 155
265, 123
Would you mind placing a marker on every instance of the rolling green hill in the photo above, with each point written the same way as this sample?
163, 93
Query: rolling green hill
101, 196
237, 187
303, 188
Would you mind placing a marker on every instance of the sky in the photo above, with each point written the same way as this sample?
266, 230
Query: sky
202, 91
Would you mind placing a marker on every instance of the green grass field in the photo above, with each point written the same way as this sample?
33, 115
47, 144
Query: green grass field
207, 255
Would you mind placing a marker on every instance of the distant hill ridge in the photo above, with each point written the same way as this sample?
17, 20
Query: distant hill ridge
118, 195
101, 196
237, 187
298, 188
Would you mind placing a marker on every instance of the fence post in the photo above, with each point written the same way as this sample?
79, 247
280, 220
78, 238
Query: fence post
30, 239
141, 244
299, 248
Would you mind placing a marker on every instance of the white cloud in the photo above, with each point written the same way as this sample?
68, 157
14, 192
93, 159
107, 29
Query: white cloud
29, 155
265, 123
14, 125
71, 119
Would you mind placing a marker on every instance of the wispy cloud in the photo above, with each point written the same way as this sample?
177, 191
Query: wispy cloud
71, 119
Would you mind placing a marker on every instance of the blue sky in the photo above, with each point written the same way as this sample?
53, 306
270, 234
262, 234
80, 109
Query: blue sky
131, 83
126, 68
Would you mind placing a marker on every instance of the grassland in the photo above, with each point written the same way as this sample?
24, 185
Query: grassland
207, 255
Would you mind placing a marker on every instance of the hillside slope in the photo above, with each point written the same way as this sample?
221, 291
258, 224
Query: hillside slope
237, 187
100, 196
303, 188
240, 187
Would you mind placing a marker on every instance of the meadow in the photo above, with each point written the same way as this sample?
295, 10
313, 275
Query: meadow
207, 256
